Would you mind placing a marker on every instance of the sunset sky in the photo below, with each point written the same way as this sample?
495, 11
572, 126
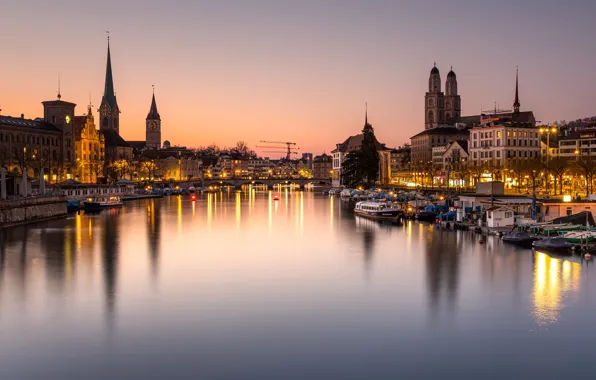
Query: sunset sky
296, 70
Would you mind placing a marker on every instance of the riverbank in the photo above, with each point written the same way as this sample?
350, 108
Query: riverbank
33, 209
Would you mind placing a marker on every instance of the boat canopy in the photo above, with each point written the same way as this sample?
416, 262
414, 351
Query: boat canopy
582, 218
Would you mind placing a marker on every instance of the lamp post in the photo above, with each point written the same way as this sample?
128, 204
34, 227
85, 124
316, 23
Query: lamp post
548, 130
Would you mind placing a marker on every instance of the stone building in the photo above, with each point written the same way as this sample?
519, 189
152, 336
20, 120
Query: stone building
89, 149
425, 141
61, 114
439, 106
32, 145
322, 166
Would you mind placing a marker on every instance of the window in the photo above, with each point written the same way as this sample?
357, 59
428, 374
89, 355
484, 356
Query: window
475, 144
498, 154
509, 214
514, 141
499, 134
514, 134
508, 133
498, 142
474, 136
526, 134
475, 155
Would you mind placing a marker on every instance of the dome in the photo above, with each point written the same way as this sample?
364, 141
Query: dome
451, 74
434, 70
166, 144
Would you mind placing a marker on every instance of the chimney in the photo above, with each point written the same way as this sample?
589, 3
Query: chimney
22, 116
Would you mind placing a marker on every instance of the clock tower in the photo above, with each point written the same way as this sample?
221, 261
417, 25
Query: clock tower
153, 127
109, 113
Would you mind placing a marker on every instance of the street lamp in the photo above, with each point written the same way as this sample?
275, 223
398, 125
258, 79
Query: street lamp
548, 131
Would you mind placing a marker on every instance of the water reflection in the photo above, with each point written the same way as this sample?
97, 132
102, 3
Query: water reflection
110, 238
442, 266
154, 234
555, 280
299, 270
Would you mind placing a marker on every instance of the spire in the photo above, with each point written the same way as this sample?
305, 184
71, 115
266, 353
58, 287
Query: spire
516, 102
153, 114
59, 95
367, 126
108, 94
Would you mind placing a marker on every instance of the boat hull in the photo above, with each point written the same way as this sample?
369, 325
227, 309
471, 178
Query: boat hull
388, 216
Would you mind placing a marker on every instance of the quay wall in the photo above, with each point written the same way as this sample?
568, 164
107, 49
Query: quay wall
32, 209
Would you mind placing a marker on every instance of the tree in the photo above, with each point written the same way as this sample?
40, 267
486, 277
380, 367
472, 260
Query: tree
370, 156
361, 167
352, 173
558, 167
120, 168
585, 166
243, 149
533, 167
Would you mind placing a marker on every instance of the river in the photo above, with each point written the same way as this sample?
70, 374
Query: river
241, 286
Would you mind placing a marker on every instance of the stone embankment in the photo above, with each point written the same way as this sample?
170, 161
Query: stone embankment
32, 209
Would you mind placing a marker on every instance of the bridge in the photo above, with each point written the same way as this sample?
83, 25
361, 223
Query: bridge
270, 183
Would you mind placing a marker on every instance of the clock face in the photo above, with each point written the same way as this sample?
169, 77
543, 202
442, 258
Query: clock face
67, 118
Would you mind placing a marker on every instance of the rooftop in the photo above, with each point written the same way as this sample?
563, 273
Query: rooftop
38, 124
443, 130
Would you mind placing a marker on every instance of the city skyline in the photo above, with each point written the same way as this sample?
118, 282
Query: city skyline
271, 78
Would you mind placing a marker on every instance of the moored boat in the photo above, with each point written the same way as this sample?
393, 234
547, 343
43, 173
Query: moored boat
73, 205
557, 244
97, 203
580, 237
519, 238
381, 211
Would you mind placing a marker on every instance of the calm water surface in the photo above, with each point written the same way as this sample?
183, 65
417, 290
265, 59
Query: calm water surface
239, 286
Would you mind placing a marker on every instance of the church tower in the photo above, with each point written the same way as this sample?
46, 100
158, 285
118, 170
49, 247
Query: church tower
109, 113
452, 99
434, 112
153, 127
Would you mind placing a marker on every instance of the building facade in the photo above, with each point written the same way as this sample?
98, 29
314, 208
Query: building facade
578, 143
61, 114
89, 149
499, 142
31, 145
322, 166
423, 143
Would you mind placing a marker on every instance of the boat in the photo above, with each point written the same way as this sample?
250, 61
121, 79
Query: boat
427, 216
380, 211
580, 237
556, 229
345, 194
519, 238
557, 244
97, 203
73, 205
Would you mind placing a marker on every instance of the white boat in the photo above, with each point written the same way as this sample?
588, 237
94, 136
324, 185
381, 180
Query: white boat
345, 193
99, 202
377, 210
580, 236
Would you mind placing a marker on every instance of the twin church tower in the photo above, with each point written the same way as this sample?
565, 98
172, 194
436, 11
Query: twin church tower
439, 107
109, 112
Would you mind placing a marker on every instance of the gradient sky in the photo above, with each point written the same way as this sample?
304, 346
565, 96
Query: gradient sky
230, 70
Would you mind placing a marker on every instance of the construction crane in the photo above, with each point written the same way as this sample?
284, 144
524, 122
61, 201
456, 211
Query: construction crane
289, 146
